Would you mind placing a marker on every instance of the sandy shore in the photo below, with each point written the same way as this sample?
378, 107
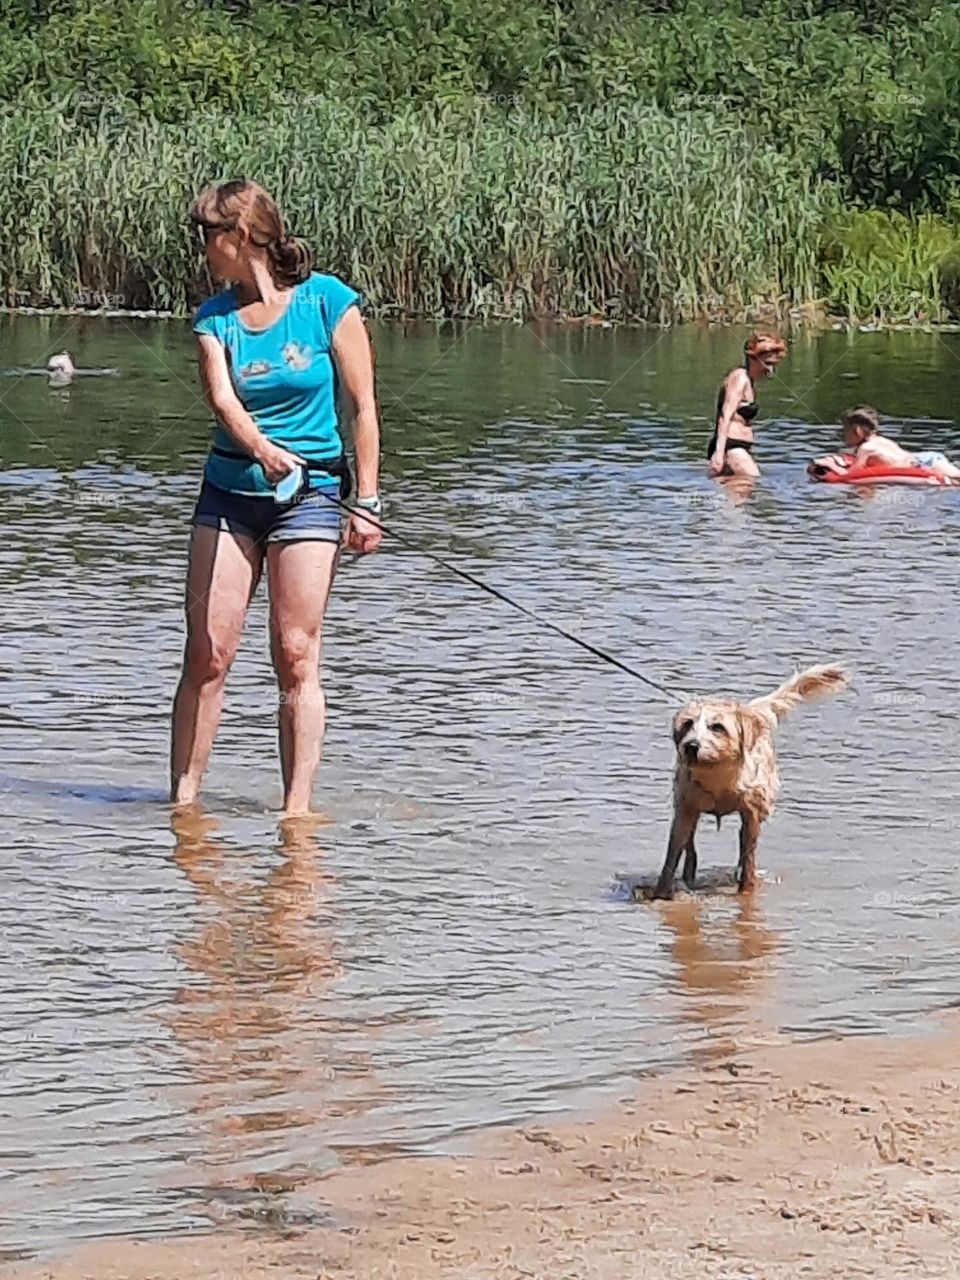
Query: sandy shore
834, 1159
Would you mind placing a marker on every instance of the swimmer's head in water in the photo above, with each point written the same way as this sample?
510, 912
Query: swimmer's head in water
240, 223
859, 423
62, 364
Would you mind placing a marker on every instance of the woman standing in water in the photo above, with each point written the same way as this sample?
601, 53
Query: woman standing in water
274, 351
731, 445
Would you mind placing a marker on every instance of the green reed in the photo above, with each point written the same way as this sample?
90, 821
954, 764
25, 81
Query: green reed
614, 212
881, 265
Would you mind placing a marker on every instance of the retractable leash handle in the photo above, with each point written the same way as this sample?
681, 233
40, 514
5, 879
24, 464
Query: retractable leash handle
291, 485
671, 695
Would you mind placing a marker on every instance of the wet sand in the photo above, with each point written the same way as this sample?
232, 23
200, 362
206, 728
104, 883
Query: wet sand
831, 1159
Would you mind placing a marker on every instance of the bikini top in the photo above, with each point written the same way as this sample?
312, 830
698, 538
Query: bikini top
747, 409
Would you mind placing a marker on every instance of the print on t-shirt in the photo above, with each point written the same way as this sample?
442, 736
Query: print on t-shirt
298, 355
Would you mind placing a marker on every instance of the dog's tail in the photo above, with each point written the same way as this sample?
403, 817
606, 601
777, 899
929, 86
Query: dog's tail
805, 686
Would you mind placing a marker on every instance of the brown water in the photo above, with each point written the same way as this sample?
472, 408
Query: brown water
194, 1022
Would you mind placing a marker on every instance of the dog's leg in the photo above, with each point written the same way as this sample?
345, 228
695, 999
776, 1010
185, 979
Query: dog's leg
749, 835
690, 861
681, 833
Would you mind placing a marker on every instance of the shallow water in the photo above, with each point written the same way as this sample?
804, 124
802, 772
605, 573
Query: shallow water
196, 1021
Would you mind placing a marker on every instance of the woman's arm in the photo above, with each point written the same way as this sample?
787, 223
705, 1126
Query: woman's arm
226, 405
731, 403
353, 354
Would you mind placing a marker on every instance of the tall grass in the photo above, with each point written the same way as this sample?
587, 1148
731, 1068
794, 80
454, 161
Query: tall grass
868, 90
884, 266
471, 211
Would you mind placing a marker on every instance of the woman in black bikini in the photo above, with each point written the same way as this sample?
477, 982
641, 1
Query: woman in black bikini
731, 445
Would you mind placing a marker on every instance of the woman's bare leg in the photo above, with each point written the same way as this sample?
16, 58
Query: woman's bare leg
740, 463
222, 577
300, 576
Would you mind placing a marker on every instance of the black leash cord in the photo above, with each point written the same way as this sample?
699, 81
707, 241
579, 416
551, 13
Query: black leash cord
669, 694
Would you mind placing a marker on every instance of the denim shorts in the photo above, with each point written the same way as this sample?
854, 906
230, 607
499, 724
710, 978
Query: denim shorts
928, 458
312, 517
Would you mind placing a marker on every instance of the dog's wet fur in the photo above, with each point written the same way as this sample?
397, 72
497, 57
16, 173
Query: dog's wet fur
727, 763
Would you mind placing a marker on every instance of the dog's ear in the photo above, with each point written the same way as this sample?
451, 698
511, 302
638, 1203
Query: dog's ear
752, 728
683, 720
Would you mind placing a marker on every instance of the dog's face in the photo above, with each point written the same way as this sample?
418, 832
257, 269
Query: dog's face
712, 733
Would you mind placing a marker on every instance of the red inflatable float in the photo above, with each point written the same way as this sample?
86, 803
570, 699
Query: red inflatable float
874, 474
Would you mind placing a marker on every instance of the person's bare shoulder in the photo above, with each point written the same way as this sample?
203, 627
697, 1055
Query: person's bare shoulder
876, 449
738, 378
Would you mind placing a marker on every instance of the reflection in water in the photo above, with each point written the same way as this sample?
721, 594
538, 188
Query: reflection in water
722, 966
486, 779
265, 1058
739, 489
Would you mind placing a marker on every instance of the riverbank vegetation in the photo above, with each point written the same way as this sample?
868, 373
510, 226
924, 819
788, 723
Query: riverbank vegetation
650, 159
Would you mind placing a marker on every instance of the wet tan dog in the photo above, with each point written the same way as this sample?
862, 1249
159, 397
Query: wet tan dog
727, 763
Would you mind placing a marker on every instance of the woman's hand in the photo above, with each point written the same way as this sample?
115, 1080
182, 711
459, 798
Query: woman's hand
276, 462
362, 535
717, 462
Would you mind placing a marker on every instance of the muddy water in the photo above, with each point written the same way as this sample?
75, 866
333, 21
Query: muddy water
199, 1018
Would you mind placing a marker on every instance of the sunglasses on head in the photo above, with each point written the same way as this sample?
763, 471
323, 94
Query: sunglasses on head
207, 229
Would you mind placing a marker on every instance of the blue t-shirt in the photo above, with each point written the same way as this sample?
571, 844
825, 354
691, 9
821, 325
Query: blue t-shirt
285, 377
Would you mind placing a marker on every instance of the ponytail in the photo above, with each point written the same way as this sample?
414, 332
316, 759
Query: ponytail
291, 262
